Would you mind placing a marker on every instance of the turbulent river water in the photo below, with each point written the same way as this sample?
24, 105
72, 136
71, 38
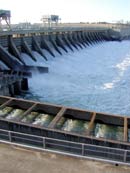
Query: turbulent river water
94, 78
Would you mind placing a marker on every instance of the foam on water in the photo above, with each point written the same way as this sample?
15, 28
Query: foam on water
95, 78
122, 67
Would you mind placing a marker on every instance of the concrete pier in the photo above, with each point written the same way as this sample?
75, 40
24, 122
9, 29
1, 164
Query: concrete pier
12, 83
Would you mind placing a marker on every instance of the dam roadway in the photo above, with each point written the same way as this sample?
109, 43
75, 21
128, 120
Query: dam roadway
15, 132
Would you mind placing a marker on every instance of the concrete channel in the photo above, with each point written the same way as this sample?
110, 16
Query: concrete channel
40, 125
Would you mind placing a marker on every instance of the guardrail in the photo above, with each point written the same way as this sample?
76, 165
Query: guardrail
50, 29
66, 147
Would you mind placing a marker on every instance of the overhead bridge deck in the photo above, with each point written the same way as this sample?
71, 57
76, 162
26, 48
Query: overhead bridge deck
46, 127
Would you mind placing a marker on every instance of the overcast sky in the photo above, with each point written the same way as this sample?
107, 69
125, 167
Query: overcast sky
68, 10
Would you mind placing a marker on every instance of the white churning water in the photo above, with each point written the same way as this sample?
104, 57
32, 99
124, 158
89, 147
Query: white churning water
95, 78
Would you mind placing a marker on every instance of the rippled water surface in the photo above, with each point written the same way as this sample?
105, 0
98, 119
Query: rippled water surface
95, 78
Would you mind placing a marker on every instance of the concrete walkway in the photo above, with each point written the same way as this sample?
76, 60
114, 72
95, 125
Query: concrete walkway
19, 160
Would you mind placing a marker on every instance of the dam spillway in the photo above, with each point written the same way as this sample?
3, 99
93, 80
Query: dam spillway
57, 122
13, 43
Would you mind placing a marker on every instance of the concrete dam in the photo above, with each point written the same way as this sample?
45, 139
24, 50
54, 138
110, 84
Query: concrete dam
24, 41
51, 127
13, 43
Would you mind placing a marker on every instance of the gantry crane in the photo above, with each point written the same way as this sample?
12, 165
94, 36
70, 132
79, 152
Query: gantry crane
5, 15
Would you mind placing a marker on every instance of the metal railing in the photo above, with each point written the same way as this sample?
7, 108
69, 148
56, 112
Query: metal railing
67, 147
52, 29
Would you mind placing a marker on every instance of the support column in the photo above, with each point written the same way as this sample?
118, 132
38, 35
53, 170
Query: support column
90, 35
67, 42
84, 39
17, 87
125, 129
88, 38
74, 36
13, 49
26, 49
9, 60
11, 90
91, 124
80, 38
37, 48
60, 43
24, 84
72, 41
45, 45
55, 45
